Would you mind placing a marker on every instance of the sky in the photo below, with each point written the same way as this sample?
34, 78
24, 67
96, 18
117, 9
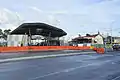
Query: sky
73, 16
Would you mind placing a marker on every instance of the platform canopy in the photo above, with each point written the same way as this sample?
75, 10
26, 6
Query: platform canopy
39, 29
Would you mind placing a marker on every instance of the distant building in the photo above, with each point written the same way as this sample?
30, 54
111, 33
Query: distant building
87, 40
115, 40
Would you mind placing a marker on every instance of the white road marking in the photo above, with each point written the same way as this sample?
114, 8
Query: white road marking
54, 73
70, 69
116, 78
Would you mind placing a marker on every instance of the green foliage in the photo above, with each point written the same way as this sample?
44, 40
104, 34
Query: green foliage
108, 46
3, 34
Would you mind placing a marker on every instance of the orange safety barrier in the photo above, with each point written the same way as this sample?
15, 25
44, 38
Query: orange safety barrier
42, 48
95, 49
13, 49
100, 50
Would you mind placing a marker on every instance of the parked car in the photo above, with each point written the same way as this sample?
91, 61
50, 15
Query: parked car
116, 47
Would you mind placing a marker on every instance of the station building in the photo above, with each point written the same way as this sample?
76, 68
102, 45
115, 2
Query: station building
35, 34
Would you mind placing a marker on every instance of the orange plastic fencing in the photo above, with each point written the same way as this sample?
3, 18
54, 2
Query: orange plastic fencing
42, 48
100, 50
13, 49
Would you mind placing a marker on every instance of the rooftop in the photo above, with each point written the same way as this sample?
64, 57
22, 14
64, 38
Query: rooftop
39, 29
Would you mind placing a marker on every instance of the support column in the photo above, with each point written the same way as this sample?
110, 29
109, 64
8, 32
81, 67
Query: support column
49, 37
29, 37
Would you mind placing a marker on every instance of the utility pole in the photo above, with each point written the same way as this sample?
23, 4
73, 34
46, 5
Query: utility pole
111, 32
111, 36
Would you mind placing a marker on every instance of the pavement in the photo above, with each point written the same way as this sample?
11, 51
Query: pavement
77, 67
7, 57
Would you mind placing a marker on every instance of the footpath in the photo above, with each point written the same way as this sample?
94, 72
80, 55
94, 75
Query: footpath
8, 57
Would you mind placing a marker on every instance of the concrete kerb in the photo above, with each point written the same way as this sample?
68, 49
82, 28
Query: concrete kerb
41, 57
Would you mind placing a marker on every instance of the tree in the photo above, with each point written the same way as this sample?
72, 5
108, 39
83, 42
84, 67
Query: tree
6, 32
88, 35
79, 35
1, 33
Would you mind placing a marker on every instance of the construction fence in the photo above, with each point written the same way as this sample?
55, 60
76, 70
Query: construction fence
41, 48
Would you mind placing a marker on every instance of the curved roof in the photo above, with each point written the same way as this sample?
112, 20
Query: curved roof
39, 29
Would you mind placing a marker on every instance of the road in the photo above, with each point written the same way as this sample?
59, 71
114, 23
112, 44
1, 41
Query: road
78, 67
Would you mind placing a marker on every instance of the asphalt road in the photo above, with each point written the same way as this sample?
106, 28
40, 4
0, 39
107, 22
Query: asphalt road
79, 67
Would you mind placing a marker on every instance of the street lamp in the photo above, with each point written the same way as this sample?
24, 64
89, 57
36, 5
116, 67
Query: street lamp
112, 30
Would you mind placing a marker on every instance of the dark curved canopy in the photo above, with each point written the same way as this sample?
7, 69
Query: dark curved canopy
39, 29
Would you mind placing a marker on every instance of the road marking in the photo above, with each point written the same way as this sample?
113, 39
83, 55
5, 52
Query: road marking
116, 78
54, 73
39, 57
70, 69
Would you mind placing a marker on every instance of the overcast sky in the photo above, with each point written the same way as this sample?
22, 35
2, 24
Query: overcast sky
73, 16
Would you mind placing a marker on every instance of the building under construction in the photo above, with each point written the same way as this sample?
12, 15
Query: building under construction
35, 34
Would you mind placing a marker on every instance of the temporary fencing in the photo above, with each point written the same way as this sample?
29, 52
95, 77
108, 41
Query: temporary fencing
99, 48
42, 48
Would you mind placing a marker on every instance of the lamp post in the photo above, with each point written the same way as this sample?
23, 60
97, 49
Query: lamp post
111, 36
111, 32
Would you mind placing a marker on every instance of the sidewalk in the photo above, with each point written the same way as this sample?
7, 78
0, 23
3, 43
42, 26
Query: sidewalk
6, 57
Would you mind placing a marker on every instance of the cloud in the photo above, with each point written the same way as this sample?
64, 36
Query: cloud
36, 9
9, 19
94, 1
94, 15
72, 16
46, 16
